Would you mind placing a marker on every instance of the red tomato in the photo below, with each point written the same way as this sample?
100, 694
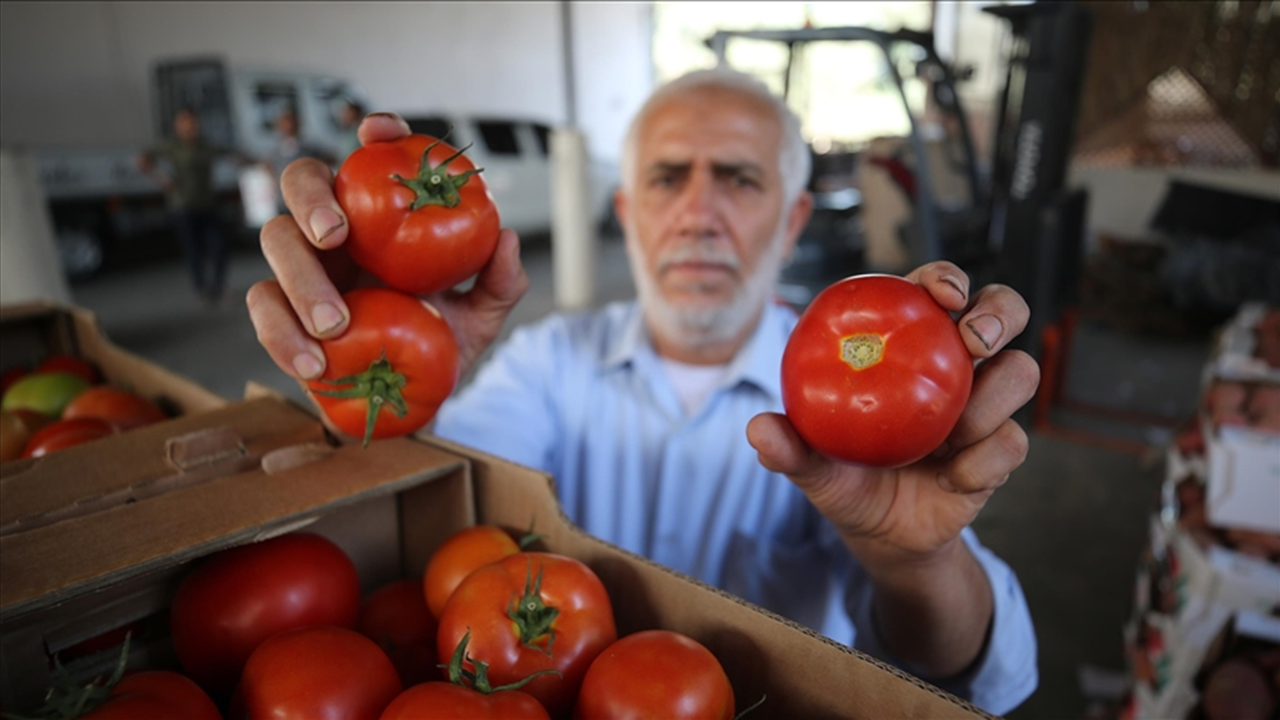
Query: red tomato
11, 376
312, 673
463, 553
121, 408
655, 674
69, 364
240, 597
156, 695
561, 620
417, 219
456, 700
446, 701
875, 372
63, 434
396, 617
392, 368
16, 428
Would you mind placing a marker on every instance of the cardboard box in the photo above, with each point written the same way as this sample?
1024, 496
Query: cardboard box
1243, 484
82, 559
31, 331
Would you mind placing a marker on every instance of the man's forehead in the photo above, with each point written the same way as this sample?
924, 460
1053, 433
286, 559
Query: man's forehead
723, 126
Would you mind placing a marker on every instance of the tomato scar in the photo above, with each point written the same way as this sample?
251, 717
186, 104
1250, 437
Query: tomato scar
862, 351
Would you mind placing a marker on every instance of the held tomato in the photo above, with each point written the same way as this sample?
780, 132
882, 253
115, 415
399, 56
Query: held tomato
875, 372
69, 364
63, 434
419, 215
240, 597
156, 695
463, 553
121, 408
531, 612
392, 368
396, 617
316, 672
46, 393
655, 674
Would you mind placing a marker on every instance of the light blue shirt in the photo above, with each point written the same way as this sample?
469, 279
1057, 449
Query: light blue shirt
584, 397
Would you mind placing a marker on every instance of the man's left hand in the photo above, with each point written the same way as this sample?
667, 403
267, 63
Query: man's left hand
915, 512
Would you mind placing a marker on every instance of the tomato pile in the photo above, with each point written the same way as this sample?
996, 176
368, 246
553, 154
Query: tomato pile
277, 629
422, 221
63, 402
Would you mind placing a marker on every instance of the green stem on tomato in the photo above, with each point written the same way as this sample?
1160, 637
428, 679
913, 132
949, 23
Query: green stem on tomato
434, 185
479, 680
380, 385
533, 617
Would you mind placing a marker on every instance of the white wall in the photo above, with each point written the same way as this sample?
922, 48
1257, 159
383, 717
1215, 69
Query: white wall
77, 74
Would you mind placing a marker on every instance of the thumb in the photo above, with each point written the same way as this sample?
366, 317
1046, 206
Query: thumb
782, 450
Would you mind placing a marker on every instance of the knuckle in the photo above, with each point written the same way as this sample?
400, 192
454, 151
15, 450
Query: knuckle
275, 229
1014, 441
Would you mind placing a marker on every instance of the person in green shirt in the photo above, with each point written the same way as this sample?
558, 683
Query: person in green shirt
183, 167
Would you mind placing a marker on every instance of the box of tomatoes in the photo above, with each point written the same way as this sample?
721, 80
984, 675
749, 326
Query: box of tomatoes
62, 382
172, 540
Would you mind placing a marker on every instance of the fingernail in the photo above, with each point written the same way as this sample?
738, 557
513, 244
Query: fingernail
325, 317
955, 283
307, 365
323, 222
988, 329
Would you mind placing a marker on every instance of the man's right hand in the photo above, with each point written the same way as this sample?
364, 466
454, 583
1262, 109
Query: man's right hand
303, 302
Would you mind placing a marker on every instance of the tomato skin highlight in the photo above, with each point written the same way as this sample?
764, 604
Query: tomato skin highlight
238, 598
121, 408
395, 616
583, 628
462, 554
314, 673
418, 251
655, 674
916, 381
416, 343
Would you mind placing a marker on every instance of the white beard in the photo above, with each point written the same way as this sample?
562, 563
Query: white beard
700, 325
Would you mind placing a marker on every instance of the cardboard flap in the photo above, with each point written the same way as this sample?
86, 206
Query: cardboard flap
47, 564
149, 460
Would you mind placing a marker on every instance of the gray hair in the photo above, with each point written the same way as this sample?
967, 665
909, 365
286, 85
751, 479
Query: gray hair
793, 157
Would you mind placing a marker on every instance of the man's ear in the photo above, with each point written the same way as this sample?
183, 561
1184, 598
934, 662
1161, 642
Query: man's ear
797, 218
620, 206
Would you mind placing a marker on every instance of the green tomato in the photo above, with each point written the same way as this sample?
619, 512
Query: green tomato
46, 393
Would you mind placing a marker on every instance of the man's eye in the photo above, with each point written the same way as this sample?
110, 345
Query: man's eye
745, 181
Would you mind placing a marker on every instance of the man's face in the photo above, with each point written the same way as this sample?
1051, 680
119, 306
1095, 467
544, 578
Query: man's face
706, 226
186, 127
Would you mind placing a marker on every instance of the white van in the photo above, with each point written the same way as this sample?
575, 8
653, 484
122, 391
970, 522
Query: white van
515, 155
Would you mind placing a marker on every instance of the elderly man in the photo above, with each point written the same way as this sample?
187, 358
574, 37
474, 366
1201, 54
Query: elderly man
660, 418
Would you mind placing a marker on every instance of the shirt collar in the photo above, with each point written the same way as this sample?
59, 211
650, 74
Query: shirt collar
758, 362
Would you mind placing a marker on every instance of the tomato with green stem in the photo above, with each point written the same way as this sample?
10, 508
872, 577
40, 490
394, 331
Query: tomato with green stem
530, 612
419, 215
389, 372
463, 553
467, 694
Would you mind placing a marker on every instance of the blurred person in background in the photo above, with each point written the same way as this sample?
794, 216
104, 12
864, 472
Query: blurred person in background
661, 418
289, 147
349, 118
183, 167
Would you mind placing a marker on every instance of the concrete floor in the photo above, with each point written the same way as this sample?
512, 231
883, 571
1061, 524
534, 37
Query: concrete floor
1071, 521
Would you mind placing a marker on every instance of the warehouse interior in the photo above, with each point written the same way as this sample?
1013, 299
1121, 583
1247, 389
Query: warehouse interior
1117, 163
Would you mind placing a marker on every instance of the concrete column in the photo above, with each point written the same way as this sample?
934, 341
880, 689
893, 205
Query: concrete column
29, 264
572, 221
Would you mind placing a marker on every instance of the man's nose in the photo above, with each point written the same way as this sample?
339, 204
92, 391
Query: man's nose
699, 212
